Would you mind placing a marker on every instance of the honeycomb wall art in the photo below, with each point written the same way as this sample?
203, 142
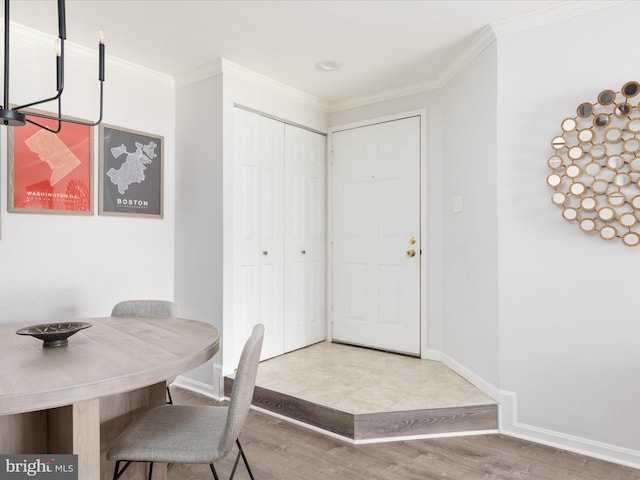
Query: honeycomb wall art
595, 167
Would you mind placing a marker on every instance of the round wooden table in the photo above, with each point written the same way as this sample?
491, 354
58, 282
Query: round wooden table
78, 398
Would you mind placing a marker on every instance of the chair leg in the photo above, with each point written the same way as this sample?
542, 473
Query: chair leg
244, 458
150, 469
117, 474
235, 465
213, 470
170, 402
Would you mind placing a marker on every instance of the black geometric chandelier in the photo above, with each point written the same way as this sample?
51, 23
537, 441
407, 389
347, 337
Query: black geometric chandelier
17, 116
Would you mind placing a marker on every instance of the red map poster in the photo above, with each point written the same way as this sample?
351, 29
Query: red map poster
51, 171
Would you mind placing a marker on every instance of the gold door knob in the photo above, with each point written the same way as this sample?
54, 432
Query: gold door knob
411, 253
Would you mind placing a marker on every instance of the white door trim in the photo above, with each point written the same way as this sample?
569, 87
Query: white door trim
422, 113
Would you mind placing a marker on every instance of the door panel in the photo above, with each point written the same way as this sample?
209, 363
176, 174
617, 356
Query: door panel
258, 230
376, 209
305, 238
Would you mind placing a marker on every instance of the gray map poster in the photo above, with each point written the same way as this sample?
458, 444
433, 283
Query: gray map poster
131, 171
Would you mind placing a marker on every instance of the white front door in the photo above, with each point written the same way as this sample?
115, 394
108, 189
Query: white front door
376, 235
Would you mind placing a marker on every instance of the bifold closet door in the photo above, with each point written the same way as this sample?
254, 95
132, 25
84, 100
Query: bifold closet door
304, 238
258, 285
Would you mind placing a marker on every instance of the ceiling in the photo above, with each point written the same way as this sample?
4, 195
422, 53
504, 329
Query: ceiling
381, 44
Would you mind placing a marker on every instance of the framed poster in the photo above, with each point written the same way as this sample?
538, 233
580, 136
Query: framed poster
131, 173
50, 172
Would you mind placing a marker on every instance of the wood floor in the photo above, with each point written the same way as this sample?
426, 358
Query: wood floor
279, 450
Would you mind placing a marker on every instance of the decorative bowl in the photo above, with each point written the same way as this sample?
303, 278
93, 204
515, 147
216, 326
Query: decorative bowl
54, 334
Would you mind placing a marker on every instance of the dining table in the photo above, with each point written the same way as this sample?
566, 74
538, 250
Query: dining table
77, 397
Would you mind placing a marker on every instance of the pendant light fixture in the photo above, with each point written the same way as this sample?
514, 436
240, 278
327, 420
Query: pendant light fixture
18, 116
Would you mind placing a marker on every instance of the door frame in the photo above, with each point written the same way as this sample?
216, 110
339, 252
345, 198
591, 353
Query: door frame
422, 113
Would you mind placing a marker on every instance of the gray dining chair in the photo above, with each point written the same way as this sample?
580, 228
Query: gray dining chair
147, 308
193, 434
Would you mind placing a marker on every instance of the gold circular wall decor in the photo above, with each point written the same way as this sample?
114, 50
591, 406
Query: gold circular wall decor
595, 166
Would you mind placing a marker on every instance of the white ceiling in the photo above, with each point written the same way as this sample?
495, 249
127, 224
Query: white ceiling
382, 44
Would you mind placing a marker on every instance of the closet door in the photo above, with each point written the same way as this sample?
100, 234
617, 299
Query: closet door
258, 230
304, 238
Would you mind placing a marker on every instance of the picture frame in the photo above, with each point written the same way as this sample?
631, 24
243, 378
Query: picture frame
131, 173
50, 173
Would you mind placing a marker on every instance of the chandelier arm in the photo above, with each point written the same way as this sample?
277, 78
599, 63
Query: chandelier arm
61, 120
60, 85
44, 127
33, 104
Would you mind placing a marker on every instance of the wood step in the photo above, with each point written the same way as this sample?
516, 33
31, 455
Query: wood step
377, 426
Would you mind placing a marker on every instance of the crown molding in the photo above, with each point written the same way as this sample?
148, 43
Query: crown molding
137, 70
482, 40
43, 40
384, 95
485, 37
274, 86
201, 72
548, 15
223, 66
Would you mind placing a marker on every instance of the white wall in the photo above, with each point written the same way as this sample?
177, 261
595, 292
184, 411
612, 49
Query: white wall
569, 329
199, 189
471, 243
55, 267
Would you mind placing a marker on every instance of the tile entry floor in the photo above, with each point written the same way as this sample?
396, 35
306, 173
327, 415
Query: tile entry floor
360, 380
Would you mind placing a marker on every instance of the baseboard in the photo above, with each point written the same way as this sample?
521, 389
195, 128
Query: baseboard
475, 379
434, 355
197, 387
509, 425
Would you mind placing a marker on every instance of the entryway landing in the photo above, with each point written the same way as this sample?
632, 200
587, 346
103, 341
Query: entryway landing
367, 395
